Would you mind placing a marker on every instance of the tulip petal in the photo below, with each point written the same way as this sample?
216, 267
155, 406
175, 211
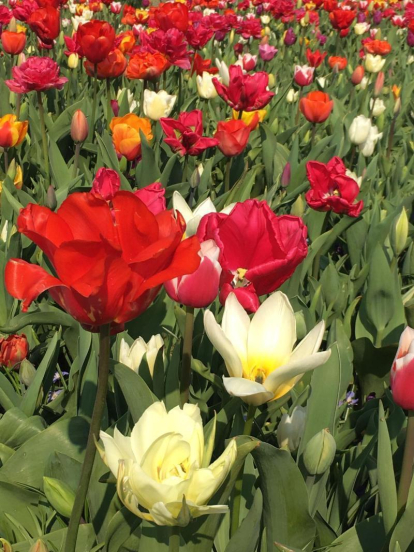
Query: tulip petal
249, 391
180, 205
235, 324
152, 424
223, 345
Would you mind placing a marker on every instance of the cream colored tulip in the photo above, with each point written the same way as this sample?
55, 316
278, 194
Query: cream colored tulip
361, 28
223, 72
73, 60
374, 64
132, 355
258, 353
290, 429
163, 468
158, 104
378, 106
193, 218
292, 96
205, 86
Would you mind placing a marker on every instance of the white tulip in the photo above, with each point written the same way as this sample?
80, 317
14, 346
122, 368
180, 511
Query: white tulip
292, 96
290, 429
354, 176
193, 218
223, 72
363, 84
321, 81
265, 19
374, 64
3, 234
163, 461
258, 353
410, 60
133, 104
205, 86
158, 104
378, 106
359, 129
367, 148
361, 28
132, 355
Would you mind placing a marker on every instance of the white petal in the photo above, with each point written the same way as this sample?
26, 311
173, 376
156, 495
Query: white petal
205, 207
112, 453
152, 424
223, 345
310, 343
235, 325
249, 391
180, 205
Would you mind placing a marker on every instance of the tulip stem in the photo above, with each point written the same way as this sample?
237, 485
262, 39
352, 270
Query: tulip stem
95, 94
108, 103
76, 160
185, 168
6, 160
407, 464
44, 139
391, 137
235, 513
174, 545
187, 349
227, 174
313, 135
98, 410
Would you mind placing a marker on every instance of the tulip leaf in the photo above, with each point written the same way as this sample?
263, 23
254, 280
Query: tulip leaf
136, 392
172, 380
85, 541
247, 535
366, 535
8, 396
147, 170
269, 144
122, 529
52, 316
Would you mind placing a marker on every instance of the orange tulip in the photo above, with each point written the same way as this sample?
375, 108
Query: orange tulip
125, 41
316, 106
378, 47
12, 132
146, 66
126, 134
111, 67
339, 62
13, 43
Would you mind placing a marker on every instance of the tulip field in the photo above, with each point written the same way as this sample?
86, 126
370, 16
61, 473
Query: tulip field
207, 276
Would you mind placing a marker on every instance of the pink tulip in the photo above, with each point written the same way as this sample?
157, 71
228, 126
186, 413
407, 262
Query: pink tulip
200, 288
153, 196
303, 75
249, 62
267, 52
402, 371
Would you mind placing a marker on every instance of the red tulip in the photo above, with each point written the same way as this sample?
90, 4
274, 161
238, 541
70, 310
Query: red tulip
316, 58
316, 106
110, 260
171, 15
342, 19
200, 66
45, 22
331, 189
13, 349
200, 288
106, 183
185, 134
37, 73
13, 43
233, 136
245, 92
402, 371
153, 196
96, 39
258, 249
198, 35
111, 67
171, 44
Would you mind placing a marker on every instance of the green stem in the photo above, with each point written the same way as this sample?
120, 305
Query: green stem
95, 95
235, 514
6, 160
44, 139
108, 104
174, 545
313, 135
76, 160
18, 105
185, 168
187, 349
227, 174
391, 137
407, 465
144, 87
98, 410
317, 259
240, 115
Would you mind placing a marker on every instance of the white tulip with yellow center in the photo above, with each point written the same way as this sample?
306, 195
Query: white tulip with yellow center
132, 355
258, 353
374, 64
158, 104
164, 461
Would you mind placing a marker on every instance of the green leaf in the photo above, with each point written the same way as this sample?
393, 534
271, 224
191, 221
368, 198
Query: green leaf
136, 392
367, 536
121, 528
247, 535
8, 396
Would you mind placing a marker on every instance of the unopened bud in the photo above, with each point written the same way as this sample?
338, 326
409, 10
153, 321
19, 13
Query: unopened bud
27, 372
73, 60
298, 208
51, 201
272, 80
319, 453
357, 75
397, 106
79, 128
399, 233
5, 546
379, 84
39, 546
60, 495
285, 178
231, 37
196, 176
21, 59
12, 25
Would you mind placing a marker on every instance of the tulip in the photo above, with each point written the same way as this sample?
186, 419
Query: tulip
184, 135
79, 128
126, 135
316, 58
316, 107
13, 349
13, 43
367, 147
359, 130
290, 37
357, 75
402, 371
377, 106
159, 468
292, 96
153, 196
258, 353
205, 86
132, 355
374, 64
73, 61
232, 136
303, 75
158, 104
146, 65
337, 63
37, 73
399, 233
112, 67
199, 289
379, 84
361, 28
267, 52
290, 429
12, 132
319, 453
96, 38
223, 72
27, 372
249, 62
45, 22
115, 7
251, 118
106, 183
171, 15
201, 65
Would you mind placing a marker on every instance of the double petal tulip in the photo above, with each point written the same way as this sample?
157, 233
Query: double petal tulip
200, 288
12, 131
37, 73
146, 65
45, 22
13, 349
316, 106
96, 39
132, 355
126, 135
158, 104
258, 353
245, 92
185, 134
110, 260
171, 15
402, 371
162, 463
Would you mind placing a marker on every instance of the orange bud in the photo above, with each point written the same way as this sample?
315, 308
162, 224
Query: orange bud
379, 83
357, 75
79, 127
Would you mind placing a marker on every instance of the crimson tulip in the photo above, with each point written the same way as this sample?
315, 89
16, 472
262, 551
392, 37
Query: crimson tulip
106, 183
110, 258
96, 39
184, 135
233, 136
258, 249
303, 75
45, 22
331, 189
37, 73
153, 196
245, 92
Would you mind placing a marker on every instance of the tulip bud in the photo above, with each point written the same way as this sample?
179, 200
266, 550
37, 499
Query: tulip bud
51, 201
397, 106
379, 84
79, 127
196, 176
27, 372
5, 546
290, 429
285, 178
357, 75
73, 60
298, 207
60, 495
12, 25
39, 546
319, 453
399, 233
21, 59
